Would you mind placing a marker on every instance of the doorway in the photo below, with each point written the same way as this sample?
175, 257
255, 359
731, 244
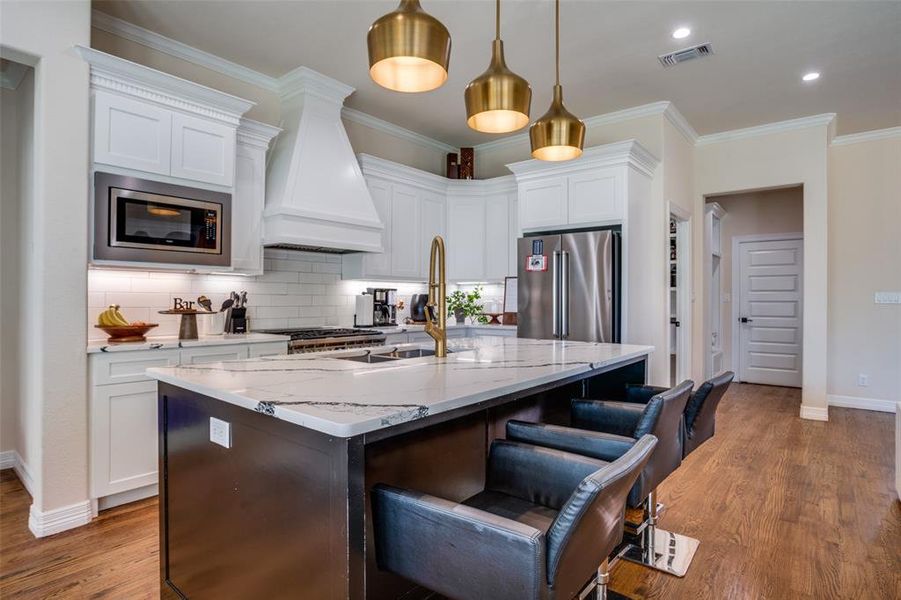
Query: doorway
753, 276
767, 275
679, 263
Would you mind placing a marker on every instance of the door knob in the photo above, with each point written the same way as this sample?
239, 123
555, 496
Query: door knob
746, 320
675, 321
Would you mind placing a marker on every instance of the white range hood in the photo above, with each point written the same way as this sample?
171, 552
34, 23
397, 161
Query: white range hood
316, 197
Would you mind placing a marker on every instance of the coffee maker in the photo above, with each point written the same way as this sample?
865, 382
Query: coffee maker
384, 306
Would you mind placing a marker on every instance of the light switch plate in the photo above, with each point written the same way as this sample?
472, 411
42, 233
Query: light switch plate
887, 298
220, 432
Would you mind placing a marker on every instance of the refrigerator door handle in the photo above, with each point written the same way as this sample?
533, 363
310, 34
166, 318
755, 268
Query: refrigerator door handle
555, 291
564, 295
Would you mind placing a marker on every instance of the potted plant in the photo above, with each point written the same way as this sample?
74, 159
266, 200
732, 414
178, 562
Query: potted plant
462, 304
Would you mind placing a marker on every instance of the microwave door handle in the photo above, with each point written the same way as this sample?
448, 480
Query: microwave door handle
555, 293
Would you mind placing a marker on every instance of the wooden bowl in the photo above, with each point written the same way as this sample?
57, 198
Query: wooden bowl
127, 333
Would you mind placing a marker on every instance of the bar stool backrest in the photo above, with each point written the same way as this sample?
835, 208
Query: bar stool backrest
700, 412
590, 524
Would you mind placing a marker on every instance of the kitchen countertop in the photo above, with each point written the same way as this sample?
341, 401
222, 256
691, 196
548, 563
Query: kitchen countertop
346, 398
172, 342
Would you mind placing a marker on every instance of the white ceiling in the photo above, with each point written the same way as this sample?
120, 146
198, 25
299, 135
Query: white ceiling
608, 52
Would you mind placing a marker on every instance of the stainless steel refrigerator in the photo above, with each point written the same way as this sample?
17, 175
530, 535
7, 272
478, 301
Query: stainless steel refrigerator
568, 286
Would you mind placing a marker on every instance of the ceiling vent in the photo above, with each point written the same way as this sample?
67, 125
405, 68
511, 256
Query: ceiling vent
679, 56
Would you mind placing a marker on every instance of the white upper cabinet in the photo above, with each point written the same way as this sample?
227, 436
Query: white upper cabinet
543, 202
202, 150
498, 235
405, 232
465, 238
474, 217
596, 197
249, 196
148, 121
432, 217
131, 134
589, 191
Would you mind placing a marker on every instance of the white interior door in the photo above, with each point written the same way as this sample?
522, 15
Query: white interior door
769, 305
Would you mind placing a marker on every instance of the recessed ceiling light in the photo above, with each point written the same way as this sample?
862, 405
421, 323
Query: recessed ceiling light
812, 76
682, 32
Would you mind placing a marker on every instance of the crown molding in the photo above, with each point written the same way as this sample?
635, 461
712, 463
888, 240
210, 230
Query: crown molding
373, 166
867, 136
255, 133
678, 120
628, 152
368, 120
306, 80
161, 43
125, 77
822, 120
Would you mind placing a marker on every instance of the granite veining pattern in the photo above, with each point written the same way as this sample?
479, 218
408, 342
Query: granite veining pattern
346, 398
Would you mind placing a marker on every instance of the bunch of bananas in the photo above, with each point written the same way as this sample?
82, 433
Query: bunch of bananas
111, 317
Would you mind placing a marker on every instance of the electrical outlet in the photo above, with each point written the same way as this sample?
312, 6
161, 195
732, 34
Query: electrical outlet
220, 432
887, 298
863, 380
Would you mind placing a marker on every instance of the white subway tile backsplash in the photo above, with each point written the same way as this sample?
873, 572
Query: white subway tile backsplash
297, 289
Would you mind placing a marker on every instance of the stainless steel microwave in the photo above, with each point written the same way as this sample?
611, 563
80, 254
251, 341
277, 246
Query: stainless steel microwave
137, 220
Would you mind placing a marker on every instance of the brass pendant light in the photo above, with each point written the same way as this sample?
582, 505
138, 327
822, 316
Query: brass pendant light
498, 100
558, 134
409, 49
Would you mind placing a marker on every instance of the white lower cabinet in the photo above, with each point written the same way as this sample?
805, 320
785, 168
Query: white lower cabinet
123, 437
123, 414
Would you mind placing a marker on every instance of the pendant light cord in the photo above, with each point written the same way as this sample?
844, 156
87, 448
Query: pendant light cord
497, 20
557, 42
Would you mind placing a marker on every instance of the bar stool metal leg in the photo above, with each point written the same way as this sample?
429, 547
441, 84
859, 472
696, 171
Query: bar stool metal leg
603, 578
661, 549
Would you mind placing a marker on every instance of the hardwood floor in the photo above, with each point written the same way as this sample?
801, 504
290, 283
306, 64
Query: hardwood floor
784, 508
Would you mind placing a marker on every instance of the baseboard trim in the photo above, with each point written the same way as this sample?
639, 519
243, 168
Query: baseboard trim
44, 523
814, 413
113, 500
876, 404
10, 459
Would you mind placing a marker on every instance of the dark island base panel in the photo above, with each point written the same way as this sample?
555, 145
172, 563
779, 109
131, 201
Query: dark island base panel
283, 513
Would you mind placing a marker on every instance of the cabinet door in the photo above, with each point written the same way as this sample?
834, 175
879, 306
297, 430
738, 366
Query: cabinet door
432, 215
131, 134
406, 250
202, 150
543, 203
209, 354
513, 259
123, 437
267, 349
466, 239
497, 237
595, 197
247, 210
380, 264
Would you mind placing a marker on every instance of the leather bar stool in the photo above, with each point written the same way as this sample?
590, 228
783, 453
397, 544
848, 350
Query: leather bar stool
605, 430
532, 533
700, 412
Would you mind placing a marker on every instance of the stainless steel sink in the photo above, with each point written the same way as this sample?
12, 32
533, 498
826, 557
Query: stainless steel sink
414, 353
368, 358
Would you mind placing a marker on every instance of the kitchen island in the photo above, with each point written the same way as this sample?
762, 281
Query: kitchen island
277, 506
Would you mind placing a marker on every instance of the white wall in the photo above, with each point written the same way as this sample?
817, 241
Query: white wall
767, 161
772, 211
864, 257
54, 281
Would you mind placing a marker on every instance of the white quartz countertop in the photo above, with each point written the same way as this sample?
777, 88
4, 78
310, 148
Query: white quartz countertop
347, 398
170, 342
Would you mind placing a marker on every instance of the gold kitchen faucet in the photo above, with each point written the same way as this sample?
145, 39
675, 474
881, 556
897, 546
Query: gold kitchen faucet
436, 309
